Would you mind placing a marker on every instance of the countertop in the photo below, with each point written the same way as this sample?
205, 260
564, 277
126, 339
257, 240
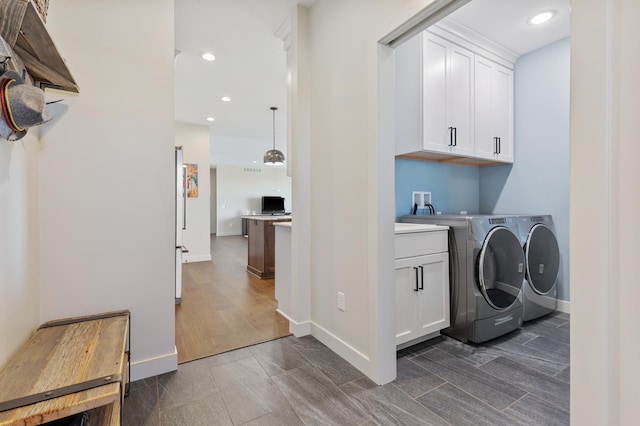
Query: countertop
406, 228
283, 224
268, 217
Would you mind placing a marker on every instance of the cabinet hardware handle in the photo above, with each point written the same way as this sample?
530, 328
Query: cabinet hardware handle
451, 136
421, 277
499, 145
416, 289
455, 136
495, 145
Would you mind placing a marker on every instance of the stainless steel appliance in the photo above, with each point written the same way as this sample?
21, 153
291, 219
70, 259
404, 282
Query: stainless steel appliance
486, 272
181, 218
542, 260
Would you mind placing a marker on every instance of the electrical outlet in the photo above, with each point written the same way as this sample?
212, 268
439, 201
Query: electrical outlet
341, 301
421, 199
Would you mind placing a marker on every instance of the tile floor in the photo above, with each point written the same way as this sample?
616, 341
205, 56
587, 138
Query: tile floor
518, 379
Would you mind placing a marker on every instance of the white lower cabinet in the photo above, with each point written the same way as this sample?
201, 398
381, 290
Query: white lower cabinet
422, 293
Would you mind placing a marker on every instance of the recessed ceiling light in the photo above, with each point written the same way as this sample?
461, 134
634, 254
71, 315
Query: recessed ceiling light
225, 99
208, 56
211, 119
541, 18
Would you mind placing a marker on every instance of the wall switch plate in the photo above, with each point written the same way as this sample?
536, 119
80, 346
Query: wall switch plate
341, 301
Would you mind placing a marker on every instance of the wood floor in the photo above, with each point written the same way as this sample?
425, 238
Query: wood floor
223, 306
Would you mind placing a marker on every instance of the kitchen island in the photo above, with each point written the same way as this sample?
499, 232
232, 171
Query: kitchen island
262, 236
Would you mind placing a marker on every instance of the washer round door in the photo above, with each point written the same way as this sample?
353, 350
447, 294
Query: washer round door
500, 268
542, 256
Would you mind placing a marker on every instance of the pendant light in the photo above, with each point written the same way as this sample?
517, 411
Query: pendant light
273, 157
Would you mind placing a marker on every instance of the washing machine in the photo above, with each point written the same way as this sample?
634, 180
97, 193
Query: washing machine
486, 274
542, 265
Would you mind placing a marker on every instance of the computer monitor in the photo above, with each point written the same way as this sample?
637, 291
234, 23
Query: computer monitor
272, 205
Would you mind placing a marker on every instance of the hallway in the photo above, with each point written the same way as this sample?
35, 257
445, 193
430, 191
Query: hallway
223, 306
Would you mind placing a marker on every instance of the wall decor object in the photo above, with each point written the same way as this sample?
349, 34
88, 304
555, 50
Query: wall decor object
192, 180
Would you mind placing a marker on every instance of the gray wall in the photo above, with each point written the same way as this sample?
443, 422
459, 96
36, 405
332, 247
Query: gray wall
538, 180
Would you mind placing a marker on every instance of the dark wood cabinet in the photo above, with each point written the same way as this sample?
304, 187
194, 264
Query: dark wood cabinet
262, 241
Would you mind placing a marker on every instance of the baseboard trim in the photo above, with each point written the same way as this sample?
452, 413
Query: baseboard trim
344, 350
298, 329
197, 258
564, 306
154, 366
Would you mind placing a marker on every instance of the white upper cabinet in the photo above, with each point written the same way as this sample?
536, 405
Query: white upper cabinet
447, 96
494, 111
452, 104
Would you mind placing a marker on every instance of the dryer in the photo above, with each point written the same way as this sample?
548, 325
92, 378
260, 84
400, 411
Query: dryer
486, 274
542, 261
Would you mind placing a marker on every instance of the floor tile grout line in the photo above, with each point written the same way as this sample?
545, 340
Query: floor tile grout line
432, 389
509, 354
476, 398
515, 402
476, 367
485, 372
491, 406
416, 398
520, 361
349, 397
455, 370
325, 375
158, 399
530, 340
534, 395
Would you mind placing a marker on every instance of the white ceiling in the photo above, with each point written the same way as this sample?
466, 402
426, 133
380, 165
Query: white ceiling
505, 22
250, 68
250, 65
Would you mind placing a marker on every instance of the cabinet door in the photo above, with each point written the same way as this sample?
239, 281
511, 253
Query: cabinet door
422, 296
485, 142
405, 303
493, 111
433, 298
460, 100
434, 95
502, 107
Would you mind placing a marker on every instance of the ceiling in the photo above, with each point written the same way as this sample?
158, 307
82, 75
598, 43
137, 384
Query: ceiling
250, 65
505, 22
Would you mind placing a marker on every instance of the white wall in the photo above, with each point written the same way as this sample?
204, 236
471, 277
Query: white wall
213, 206
107, 174
538, 180
240, 189
19, 237
194, 140
605, 106
351, 170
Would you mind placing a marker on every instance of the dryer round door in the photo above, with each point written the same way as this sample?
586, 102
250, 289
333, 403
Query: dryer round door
542, 256
500, 268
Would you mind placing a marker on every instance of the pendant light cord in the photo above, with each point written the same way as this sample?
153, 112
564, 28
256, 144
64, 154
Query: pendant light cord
274, 126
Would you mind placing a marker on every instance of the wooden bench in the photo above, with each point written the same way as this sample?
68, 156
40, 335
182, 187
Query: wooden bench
76, 365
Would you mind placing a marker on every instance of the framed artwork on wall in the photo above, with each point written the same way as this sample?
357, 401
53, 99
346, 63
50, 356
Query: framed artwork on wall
192, 180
